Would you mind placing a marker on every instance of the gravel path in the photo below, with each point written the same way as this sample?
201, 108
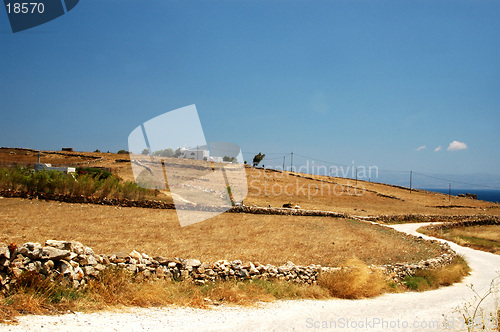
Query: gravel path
429, 311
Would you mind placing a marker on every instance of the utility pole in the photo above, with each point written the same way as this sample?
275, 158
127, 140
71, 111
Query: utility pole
291, 163
356, 175
410, 179
283, 163
449, 192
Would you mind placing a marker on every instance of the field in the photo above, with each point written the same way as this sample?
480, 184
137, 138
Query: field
484, 237
267, 187
264, 238
267, 239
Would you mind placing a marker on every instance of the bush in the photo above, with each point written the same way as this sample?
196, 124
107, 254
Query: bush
445, 276
353, 280
90, 182
94, 172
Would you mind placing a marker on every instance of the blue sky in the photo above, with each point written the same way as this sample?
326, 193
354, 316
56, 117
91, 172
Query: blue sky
367, 82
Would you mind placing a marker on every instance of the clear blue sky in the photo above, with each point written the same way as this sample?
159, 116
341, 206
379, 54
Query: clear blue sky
342, 81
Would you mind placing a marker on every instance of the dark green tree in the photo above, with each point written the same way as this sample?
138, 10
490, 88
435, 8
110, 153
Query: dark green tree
257, 159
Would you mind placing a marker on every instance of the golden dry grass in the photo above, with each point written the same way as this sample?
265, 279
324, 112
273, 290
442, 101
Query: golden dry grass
483, 237
266, 239
277, 188
354, 280
445, 276
343, 195
117, 288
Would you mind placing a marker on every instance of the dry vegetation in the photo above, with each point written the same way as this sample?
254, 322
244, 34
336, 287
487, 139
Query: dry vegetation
431, 279
117, 288
277, 188
483, 237
267, 239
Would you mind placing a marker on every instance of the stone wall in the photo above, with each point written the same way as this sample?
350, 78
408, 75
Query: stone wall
78, 263
429, 218
486, 220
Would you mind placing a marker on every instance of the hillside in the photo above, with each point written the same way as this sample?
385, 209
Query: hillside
275, 188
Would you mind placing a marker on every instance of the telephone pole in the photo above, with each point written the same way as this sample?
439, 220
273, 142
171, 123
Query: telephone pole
283, 163
410, 179
291, 163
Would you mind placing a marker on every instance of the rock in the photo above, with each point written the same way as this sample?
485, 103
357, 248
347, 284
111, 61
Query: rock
4, 262
184, 275
78, 273
17, 272
64, 267
88, 251
31, 250
253, 271
73, 246
161, 260
135, 255
54, 253
242, 273
87, 260
4, 252
90, 271
192, 262
100, 267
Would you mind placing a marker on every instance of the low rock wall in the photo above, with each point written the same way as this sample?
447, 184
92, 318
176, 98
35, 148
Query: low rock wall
487, 220
77, 263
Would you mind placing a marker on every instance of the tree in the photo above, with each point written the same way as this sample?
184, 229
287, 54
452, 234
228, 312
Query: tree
145, 152
164, 153
229, 159
257, 159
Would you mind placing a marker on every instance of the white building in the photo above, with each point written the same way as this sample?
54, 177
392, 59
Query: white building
196, 154
48, 167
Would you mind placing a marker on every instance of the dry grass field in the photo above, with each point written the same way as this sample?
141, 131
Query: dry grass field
484, 237
264, 238
267, 239
277, 188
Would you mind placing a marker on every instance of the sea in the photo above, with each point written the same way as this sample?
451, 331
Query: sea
490, 195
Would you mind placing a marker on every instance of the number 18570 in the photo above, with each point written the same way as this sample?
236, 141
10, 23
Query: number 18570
25, 7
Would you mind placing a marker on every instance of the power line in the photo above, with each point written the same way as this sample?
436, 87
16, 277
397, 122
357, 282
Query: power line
454, 181
283, 155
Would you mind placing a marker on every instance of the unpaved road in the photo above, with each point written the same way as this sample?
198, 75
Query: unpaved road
429, 311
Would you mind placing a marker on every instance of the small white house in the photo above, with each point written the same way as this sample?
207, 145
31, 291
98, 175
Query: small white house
196, 154
48, 167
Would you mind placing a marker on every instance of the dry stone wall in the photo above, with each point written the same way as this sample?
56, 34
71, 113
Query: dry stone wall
71, 260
